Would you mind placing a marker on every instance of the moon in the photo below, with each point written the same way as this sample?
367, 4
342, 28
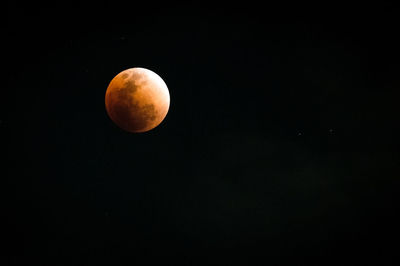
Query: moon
137, 100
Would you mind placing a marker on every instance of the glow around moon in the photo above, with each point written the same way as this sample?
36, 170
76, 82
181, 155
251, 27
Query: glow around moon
137, 100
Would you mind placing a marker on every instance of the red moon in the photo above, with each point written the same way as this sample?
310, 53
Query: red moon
137, 100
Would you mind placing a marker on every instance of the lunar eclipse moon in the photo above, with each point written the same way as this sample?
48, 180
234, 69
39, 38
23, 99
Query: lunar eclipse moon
137, 100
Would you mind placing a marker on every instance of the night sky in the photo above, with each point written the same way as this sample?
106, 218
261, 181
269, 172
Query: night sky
281, 145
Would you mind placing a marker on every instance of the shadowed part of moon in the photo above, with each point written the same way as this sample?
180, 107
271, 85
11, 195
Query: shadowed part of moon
129, 112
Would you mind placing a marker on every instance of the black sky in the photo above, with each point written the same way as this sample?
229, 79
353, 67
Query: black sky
280, 146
